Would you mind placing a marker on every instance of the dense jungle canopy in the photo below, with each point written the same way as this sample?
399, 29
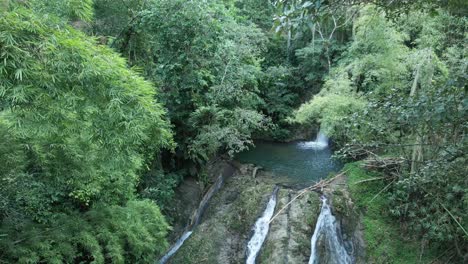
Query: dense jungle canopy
106, 106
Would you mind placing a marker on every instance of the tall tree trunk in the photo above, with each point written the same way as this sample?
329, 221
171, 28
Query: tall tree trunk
417, 149
417, 155
288, 48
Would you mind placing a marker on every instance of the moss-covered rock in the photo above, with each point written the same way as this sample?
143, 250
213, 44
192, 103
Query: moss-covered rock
226, 225
289, 238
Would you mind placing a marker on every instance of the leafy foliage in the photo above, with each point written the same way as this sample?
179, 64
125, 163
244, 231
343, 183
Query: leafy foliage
84, 142
70, 10
133, 233
386, 240
205, 61
400, 88
159, 187
418, 199
331, 106
76, 130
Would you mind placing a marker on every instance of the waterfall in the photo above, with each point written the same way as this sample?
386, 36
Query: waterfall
197, 215
320, 142
261, 229
326, 232
176, 247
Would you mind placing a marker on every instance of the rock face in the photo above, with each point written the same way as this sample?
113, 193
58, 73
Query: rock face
188, 203
226, 226
187, 199
323, 253
349, 218
289, 237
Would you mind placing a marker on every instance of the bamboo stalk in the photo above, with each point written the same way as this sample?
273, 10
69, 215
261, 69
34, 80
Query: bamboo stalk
321, 184
371, 179
456, 221
381, 191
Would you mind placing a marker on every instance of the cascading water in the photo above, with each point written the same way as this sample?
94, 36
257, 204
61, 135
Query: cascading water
196, 217
326, 231
176, 247
320, 142
261, 229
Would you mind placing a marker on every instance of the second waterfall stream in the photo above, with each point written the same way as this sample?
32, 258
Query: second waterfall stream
327, 233
261, 229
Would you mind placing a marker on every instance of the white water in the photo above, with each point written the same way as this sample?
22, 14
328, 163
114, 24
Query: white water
321, 142
326, 226
176, 247
261, 229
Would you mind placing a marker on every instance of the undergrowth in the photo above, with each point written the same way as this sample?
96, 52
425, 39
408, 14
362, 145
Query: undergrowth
386, 239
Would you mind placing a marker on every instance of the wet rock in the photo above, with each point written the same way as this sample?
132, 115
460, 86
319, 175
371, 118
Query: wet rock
350, 220
225, 228
322, 251
289, 237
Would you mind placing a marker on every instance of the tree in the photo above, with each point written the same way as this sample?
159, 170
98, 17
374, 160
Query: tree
399, 92
77, 128
205, 61
372, 63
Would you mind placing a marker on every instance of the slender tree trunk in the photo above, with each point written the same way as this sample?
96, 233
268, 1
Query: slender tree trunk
415, 82
417, 152
289, 42
417, 155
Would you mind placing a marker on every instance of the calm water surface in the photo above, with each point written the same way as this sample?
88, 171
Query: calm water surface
298, 161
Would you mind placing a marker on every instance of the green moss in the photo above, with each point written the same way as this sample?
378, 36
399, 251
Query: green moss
386, 241
198, 249
303, 244
266, 253
339, 203
226, 215
247, 206
312, 214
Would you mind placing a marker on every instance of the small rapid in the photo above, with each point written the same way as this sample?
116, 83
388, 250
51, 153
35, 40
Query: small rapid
261, 229
320, 143
175, 247
197, 215
327, 233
